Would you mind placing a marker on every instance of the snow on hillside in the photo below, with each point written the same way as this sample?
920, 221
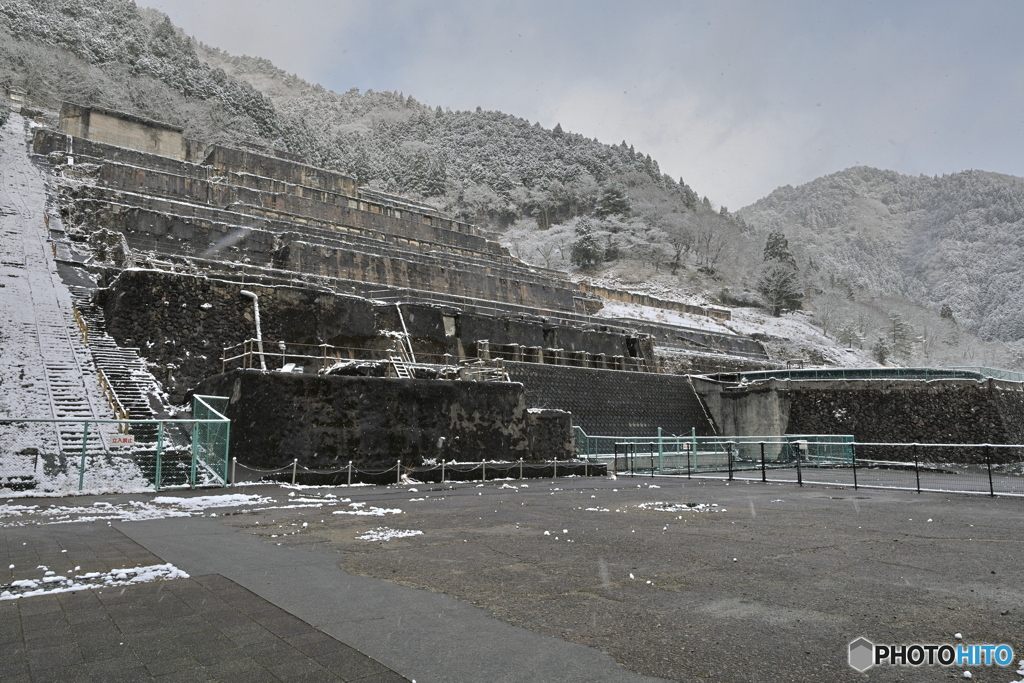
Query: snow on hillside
794, 336
617, 309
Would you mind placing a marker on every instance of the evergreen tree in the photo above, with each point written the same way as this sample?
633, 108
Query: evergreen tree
779, 285
587, 252
613, 201
777, 249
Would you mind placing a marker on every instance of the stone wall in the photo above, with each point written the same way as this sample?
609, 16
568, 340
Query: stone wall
881, 411
606, 402
181, 322
325, 421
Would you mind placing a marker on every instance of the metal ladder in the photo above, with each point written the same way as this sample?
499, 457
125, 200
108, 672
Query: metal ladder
401, 368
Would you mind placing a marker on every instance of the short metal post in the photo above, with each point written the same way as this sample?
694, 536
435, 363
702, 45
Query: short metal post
555, 470
295, 467
689, 452
799, 472
650, 454
764, 472
585, 467
483, 467
988, 461
728, 455
854, 457
399, 479
234, 477
195, 454
81, 465
917, 469
520, 468
159, 455
350, 472
661, 453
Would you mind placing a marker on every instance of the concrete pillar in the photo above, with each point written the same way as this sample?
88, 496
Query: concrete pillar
601, 361
517, 353
483, 349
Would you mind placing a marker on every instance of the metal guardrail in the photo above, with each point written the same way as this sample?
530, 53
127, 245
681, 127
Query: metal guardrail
108, 391
284, 356
979, 468
965, 372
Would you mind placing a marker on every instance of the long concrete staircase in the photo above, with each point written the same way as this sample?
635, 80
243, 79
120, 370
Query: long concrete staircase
54, 363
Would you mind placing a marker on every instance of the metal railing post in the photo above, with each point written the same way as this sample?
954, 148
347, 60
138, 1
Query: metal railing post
483, 470
764, 473
350, 472
917, 468
854, 460
988, 461
554, 471
195, 454
234, 475
689, 452
728, 455
159, 455
295, 469
227, 448
81, 465
661, 453
799, 472
398, 479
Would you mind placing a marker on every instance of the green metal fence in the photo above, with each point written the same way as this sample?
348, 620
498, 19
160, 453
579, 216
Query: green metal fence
65, 455
693, 454
212, 436
977, 373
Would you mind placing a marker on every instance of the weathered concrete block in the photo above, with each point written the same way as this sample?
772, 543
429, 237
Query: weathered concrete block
325, 421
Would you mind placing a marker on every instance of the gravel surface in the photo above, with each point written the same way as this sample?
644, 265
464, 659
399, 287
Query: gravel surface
760, 583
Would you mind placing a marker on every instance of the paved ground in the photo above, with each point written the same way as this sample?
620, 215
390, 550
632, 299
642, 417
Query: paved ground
772, 584
198, 629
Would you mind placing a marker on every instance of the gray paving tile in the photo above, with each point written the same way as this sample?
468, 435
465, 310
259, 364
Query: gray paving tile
203, 628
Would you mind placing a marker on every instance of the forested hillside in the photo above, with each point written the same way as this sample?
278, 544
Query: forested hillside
490, 168
953, 243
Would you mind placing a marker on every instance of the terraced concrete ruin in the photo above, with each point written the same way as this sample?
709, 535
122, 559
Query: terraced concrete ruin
187, 260
344, 323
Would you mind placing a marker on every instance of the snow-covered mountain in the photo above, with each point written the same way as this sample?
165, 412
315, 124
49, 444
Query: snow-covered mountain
955, 241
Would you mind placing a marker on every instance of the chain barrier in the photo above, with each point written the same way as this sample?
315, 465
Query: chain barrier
428, 474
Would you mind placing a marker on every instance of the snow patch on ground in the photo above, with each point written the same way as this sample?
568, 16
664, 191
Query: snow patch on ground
55, 583
618, 309
361, 510
794, 335
383, 533
680, 507
134, 510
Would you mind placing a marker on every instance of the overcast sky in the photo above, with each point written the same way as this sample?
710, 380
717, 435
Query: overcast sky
737, 98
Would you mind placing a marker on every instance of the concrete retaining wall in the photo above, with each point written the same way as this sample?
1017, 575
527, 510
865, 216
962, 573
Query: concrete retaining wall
325, 421
181, 322
605, 402
888, 411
